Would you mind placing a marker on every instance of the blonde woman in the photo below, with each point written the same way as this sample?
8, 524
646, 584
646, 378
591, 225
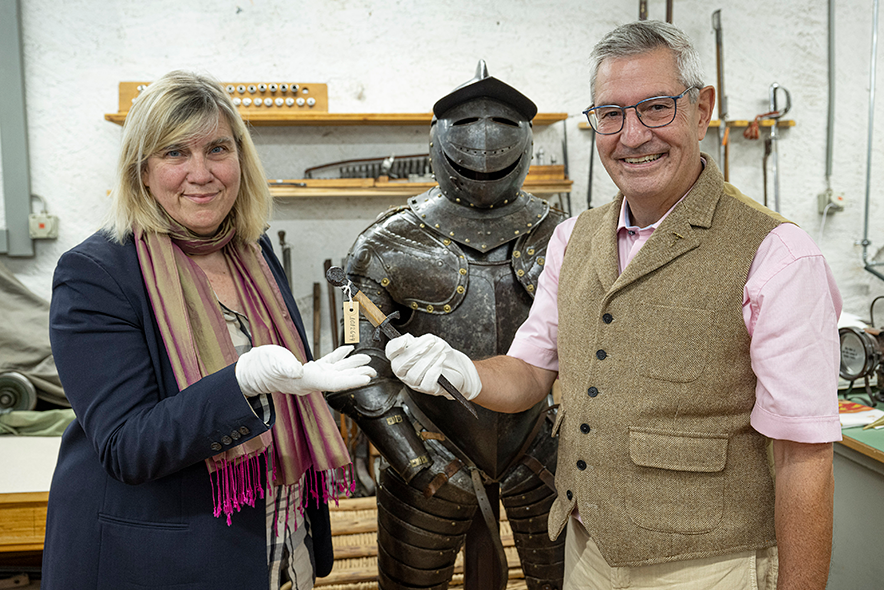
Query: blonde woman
203, 453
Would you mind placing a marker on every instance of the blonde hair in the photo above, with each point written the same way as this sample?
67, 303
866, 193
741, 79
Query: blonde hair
176, 108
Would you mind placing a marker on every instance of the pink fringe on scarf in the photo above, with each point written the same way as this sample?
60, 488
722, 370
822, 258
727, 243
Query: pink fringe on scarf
239, 483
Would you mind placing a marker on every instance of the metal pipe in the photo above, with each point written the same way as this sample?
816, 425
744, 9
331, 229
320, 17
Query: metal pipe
872, 71
15, 240
830, 126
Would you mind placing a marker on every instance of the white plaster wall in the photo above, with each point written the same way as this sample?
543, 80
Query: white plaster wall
401, 56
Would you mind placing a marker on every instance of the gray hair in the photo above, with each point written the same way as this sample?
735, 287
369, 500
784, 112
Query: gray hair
641, 37
176, 108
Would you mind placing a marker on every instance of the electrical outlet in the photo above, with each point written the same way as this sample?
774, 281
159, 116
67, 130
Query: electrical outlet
43, 226
829, 202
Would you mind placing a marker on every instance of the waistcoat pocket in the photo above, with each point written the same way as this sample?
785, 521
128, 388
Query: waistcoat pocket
673, 342
677, 480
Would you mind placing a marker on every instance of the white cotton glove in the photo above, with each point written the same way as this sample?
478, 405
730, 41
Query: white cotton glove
418, 362
270, 368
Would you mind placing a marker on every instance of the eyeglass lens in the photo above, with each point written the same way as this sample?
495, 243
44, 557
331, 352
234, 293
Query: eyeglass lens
652, 112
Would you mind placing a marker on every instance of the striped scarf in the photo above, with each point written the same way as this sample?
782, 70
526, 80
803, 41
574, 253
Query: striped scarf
190, 320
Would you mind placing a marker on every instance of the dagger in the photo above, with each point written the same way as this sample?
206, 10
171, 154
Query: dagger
336, 276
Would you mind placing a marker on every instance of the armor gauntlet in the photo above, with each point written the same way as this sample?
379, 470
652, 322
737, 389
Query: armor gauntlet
377, 408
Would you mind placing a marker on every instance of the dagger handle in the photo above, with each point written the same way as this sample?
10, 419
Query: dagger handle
377, 317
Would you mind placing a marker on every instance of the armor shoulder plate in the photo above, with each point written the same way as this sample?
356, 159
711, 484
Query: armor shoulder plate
396, 249
529, 252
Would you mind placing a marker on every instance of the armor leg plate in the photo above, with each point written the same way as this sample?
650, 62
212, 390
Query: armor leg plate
527, 498
418, 537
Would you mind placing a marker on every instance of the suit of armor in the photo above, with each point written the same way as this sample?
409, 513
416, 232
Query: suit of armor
460, 261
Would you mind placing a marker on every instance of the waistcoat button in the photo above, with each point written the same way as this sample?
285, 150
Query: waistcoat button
607, 318
592, 391
581, 464
601, 354
584, 428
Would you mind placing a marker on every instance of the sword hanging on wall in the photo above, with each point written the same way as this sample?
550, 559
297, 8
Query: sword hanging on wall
722, 98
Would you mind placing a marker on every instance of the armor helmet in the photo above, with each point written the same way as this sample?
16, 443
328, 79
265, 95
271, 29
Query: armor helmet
481, 141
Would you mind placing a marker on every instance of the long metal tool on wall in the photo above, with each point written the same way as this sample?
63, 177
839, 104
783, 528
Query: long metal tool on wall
867, 263
16, 239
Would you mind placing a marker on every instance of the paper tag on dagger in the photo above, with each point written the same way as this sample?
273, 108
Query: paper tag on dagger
351, 322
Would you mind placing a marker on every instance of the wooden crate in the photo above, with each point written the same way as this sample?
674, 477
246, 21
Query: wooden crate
354, 529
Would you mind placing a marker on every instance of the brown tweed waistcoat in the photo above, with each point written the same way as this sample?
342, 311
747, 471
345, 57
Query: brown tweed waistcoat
656, 449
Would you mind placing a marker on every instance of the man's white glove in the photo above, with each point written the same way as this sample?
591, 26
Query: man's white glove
418, 362
270, 368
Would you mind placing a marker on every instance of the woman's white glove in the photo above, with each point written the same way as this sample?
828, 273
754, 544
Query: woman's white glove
418, 362
270, 368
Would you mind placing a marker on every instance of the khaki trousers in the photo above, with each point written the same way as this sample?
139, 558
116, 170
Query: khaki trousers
585, 568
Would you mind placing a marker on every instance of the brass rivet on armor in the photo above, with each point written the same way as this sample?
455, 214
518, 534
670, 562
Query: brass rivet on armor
484, 246
530, 288
540, 261
530, 224
446, 241
451, 233
467, 240
516, 232
457, 200
516, 253
460, 289
430, 308
436, 226
520, 272
538, 216
414, 305
463, 271
423, 226
530, 251
447, 308
505, 201
384, 282
423, 215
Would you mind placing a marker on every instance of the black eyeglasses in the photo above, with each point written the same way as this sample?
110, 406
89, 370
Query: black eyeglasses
657, 111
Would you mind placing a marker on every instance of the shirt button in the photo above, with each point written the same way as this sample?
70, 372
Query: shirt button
581, 464
592, 391
601, 354
607, 318
243, 430
569, 494
584, 428
226, 440
216, 446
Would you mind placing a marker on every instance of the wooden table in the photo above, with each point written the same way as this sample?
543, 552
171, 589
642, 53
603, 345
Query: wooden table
26, 466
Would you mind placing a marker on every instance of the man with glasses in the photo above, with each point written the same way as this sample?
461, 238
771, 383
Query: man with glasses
689, 327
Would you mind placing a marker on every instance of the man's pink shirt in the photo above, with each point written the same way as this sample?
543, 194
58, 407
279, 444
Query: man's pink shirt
791, 307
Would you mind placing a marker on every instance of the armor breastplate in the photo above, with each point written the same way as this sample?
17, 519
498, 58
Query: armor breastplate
446, 282
482, 326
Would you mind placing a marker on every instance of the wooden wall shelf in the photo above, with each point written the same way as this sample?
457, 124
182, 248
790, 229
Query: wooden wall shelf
319, 118
541, 180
